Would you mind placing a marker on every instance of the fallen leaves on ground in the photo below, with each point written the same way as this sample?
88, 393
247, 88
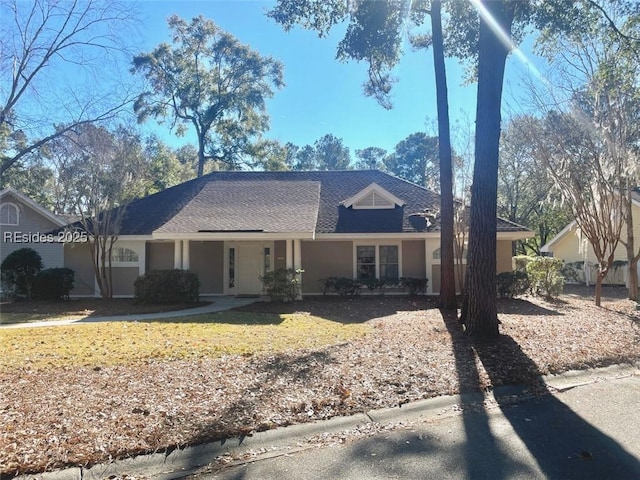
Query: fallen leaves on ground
55, 417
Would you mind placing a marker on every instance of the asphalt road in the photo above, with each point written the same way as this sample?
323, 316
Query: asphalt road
587, 432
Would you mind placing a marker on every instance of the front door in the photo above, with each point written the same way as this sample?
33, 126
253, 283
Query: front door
250, 268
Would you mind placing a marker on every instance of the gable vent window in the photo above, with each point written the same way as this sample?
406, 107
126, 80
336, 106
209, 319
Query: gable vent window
374, 200
124, 255
8, 214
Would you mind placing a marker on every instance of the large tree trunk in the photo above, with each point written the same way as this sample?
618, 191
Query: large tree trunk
481, 317
447, 270
632, 257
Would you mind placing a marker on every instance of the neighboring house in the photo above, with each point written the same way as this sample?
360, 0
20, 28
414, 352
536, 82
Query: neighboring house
575, 250
232, 227
24, 223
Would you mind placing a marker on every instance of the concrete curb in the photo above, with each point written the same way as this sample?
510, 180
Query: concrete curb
181, 462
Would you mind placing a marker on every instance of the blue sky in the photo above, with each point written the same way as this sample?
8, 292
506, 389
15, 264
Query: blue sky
321, 94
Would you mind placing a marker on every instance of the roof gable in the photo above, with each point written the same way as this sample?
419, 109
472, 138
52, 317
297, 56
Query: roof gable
373, 197
10, 193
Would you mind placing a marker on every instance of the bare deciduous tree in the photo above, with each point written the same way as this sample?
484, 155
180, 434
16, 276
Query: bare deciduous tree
595, 159
48, 51
588, 179
97, 172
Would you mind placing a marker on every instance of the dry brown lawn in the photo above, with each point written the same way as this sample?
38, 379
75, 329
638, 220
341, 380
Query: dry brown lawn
53, 416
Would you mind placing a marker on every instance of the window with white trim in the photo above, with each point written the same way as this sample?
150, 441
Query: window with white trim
366, 261
377, 261
124, 255
389, 261
9, 214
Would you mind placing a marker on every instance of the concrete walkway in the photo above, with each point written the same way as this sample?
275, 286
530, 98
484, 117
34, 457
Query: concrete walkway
218, 304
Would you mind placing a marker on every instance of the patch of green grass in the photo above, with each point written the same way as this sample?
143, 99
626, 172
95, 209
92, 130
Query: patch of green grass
193, 337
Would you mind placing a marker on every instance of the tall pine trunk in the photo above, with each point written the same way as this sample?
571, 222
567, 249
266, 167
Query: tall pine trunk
447, 270
632, 256
480, 312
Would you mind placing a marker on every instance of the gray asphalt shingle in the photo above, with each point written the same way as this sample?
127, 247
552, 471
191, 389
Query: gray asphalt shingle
276, 206
283, 202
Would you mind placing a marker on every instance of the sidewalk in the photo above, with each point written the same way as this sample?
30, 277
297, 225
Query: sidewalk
589, 428
218, 304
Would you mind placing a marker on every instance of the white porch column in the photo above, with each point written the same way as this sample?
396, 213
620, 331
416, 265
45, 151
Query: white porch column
428, 255
185, 254
177, 254
297, 264
289, 254
142, 260
297, 255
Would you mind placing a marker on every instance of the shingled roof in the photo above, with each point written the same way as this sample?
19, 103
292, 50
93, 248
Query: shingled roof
273, 206
281, 202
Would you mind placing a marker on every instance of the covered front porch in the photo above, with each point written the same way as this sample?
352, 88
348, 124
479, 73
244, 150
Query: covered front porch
225, 266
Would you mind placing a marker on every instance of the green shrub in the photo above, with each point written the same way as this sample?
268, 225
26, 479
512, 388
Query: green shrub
571, 271
511, 284
19, 270
167, 286
53, 284
282, 285
380, 284
328, 284
341, 285
521, 262
544, 274
415, 286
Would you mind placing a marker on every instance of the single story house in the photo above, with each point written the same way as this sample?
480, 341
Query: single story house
575, 250
232, 227
25, 224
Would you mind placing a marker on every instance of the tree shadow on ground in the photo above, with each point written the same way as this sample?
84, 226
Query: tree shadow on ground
563, 444
346, 309
520, 306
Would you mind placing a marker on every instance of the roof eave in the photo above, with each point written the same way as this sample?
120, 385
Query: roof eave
202, 236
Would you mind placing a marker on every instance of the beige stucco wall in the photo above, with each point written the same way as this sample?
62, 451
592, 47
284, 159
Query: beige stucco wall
413, 264
503, 264
77, 257
434, 279
322, 259
160, 256
504, 256
123, 280
207, 260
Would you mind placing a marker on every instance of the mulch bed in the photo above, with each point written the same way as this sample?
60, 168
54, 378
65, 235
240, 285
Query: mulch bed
57, 417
